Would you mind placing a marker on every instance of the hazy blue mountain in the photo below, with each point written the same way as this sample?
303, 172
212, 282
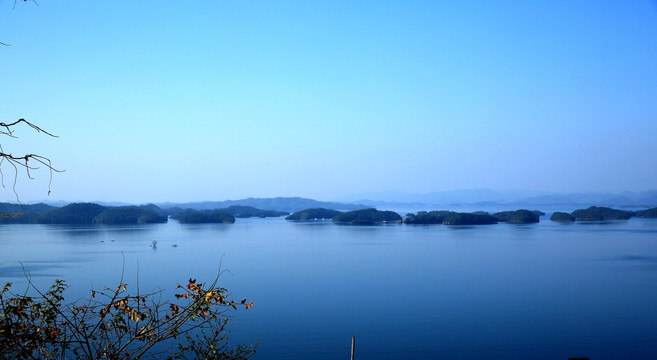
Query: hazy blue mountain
446, 197
488, 197
287, 204
8, 208
243, 211
62, 203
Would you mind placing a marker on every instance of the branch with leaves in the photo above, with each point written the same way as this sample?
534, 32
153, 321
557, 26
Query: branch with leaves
114, 324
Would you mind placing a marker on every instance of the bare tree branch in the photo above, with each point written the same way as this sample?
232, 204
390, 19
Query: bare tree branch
24, 161
15, 1
10, 132
13, 8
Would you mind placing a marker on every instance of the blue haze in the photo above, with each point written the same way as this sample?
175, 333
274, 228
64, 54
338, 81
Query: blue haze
224, 100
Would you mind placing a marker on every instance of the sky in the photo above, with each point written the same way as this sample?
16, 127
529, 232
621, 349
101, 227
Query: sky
212, 100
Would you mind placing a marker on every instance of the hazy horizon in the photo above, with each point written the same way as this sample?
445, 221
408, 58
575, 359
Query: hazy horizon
182, 102
447, 198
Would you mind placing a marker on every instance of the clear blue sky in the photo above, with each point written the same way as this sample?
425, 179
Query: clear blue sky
212, 100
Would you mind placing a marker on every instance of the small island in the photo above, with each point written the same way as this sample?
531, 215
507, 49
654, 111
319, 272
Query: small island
129, 215
90, 213
647, 214
521, 216
314, 214
596, 213
426, 218
593, 213
451, 218
367, 217
469, 219
562, 217
190, 216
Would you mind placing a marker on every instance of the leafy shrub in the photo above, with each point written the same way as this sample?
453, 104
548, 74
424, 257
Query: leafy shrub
115, 324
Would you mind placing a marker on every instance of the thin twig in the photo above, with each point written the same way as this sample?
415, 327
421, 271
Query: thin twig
24, 161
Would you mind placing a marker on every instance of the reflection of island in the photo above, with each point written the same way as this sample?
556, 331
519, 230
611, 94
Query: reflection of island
314, 214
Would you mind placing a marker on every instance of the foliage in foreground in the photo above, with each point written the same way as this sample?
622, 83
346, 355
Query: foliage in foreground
114, 324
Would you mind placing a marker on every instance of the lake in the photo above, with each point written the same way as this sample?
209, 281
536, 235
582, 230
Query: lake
538, 291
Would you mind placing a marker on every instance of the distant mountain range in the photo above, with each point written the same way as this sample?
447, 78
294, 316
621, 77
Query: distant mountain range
289, 204
435, 200
488, 197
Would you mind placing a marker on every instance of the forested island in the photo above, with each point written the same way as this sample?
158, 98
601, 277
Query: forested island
599, 213
314, 214
221, 215
84, 213
373, 216
190, 216
91, 213
477, 218
450, 218
367, 217
521, 216
649, 213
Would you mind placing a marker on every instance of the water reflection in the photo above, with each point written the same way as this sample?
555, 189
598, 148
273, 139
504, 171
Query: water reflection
470, 291
639, 259
324, 222
601, 222
31, 268
102, 232
206, 227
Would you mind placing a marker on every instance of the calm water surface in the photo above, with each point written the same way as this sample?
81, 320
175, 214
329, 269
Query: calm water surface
540, 291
